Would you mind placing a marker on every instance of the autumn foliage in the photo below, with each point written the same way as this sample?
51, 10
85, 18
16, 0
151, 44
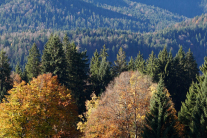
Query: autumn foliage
120, 111
42, 108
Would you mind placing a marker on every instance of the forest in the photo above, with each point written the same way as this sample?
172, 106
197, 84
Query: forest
103, 69
59, 94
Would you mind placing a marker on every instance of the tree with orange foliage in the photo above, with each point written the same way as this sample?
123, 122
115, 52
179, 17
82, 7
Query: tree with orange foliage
42, 108
120, 111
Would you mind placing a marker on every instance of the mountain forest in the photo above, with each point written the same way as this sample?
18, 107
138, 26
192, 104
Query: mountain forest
103, 69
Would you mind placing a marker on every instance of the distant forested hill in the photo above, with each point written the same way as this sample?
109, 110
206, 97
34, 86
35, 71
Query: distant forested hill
21, 15
190, 34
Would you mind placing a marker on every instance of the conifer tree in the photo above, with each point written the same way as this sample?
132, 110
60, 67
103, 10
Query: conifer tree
185, 114
53, 59
191, 67
151, 64
120, 62
103, 52
104, 74
94, 72
199, 117
161, 121
203, 67
77, 73
18, 69
131, 65
140, 63
33, 64
5, 72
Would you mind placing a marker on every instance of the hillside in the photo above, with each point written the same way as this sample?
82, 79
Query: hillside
69, 14
193, 37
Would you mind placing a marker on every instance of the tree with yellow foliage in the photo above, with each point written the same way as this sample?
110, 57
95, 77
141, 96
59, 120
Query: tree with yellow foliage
42, 108
120, 111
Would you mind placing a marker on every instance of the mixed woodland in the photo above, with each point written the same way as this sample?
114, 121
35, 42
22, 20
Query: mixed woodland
103, 69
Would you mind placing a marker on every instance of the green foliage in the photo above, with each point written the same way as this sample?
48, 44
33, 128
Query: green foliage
161, 119
5, 72
37, 15
53, 59
203, 67
33, 64
77, 74
131, 65
140, 63
187, 108
151, 64
120, 64
199, 114
18, 69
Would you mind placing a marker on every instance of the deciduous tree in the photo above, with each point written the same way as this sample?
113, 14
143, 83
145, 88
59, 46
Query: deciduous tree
42, 108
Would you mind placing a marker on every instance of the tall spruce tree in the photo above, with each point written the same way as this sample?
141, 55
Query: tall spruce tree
77, 73
191, 67
131, 65
120, 63
140, 63
94, 72
104, 74
53, 59
151, 64
33, 64
18, 69
186, 112
161, 120
203, 67
199, 117
5, 72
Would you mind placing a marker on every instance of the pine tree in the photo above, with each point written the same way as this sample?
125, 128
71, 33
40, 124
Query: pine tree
120, 63
140, 63
103, 52
131, 65
199, 117
77, 73
33, 64
18, 69
161, 120
94, 72
5, 72
203, 67
53, 59
104, 74
185, 114
191, 67
151, 64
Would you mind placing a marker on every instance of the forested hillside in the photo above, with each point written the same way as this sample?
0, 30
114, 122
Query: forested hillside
69, 14
190, 34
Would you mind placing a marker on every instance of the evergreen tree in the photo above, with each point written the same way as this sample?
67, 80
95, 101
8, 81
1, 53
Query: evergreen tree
199, 117
104, 74
120, 63
191, 67
131, 65
18, 69
140, 63
161, 120
5, 72
77, 74
33, 64
94, 72
53, 59
203, 67
103, 52
185, 114
151, 64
